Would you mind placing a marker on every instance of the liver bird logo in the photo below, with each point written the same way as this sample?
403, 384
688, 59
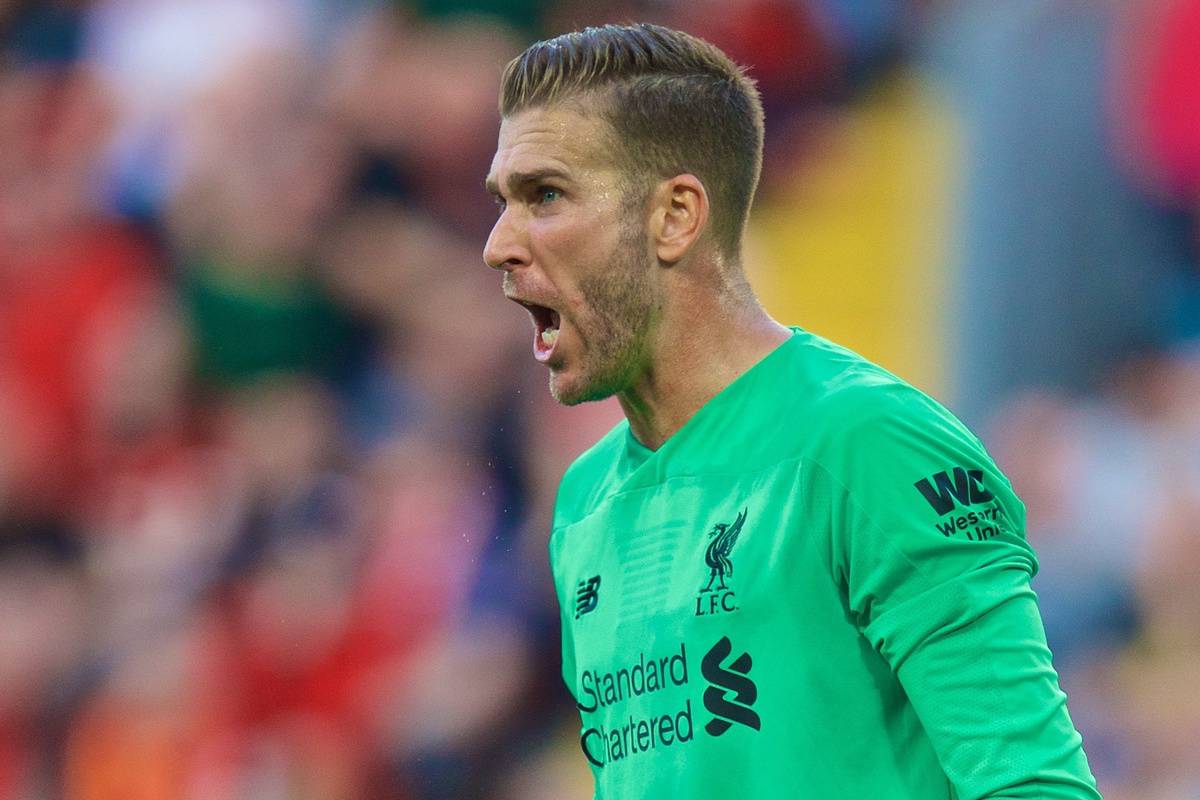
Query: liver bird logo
716, 556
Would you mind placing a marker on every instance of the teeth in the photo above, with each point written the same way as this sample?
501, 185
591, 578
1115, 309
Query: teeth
550, 336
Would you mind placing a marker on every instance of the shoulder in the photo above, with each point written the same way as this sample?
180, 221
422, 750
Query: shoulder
588, 475
837, 399
906, 460
867, 428
884, 412
874, 436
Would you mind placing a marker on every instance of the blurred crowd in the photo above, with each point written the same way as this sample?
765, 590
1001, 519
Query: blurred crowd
276, 467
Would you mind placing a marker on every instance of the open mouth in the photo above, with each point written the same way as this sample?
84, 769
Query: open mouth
545, 326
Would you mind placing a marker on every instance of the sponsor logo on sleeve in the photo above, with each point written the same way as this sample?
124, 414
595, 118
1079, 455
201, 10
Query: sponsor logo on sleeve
963, 504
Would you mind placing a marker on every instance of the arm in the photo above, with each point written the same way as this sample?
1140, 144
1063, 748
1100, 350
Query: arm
973, 659
948, 605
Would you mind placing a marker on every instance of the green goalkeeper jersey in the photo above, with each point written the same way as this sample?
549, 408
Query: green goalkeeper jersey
817, 589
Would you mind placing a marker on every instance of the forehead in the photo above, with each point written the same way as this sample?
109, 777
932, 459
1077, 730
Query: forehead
556, 139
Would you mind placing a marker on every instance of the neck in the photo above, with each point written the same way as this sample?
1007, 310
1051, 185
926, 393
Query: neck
704, 340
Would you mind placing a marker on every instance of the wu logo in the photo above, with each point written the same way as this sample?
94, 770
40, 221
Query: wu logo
713, 599
587, 595
941, 490
724, 680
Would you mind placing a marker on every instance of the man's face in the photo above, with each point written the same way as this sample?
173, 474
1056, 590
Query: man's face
574, 250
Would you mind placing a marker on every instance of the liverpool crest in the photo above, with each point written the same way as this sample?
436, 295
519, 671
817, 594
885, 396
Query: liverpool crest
716, 596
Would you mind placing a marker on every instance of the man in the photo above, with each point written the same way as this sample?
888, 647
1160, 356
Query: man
787, 574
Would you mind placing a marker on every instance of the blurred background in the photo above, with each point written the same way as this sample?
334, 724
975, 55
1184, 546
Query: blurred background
276, 467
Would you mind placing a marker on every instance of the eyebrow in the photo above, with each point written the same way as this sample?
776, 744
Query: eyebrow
518, 179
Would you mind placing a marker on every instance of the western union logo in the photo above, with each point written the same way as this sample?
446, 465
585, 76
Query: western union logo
942, 490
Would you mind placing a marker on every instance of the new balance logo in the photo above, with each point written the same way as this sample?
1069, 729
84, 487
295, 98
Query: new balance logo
587, 595
733, 678
942, 490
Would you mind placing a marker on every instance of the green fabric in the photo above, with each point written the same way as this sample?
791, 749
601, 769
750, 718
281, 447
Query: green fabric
788, 600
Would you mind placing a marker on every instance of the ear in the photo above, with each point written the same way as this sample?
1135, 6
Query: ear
678, 215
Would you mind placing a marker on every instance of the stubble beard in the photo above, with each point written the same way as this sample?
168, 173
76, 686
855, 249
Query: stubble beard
620, 304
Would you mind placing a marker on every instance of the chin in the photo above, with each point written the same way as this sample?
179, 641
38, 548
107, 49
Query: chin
571, 391
566, 392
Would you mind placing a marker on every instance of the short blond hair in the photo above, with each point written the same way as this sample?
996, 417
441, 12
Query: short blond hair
676, 104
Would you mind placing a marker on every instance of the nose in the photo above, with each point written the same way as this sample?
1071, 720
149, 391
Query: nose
505, 248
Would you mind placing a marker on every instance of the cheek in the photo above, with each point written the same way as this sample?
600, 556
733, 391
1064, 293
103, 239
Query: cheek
560, 243
578, 241
570, 256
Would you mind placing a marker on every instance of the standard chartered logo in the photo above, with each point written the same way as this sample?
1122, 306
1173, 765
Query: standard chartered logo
616, 736
731, 679
636, 734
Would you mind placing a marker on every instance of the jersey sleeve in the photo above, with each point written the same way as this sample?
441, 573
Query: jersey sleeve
927, 542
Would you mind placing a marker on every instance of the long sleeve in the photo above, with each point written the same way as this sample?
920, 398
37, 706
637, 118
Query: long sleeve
972, 657
929, 546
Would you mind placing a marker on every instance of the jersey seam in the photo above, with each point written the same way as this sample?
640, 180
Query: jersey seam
876, 526
695, 476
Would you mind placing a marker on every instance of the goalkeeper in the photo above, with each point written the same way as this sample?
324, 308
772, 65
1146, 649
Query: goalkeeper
787, 573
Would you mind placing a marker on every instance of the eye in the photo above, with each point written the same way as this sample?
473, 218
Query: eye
547, 194
501, 203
